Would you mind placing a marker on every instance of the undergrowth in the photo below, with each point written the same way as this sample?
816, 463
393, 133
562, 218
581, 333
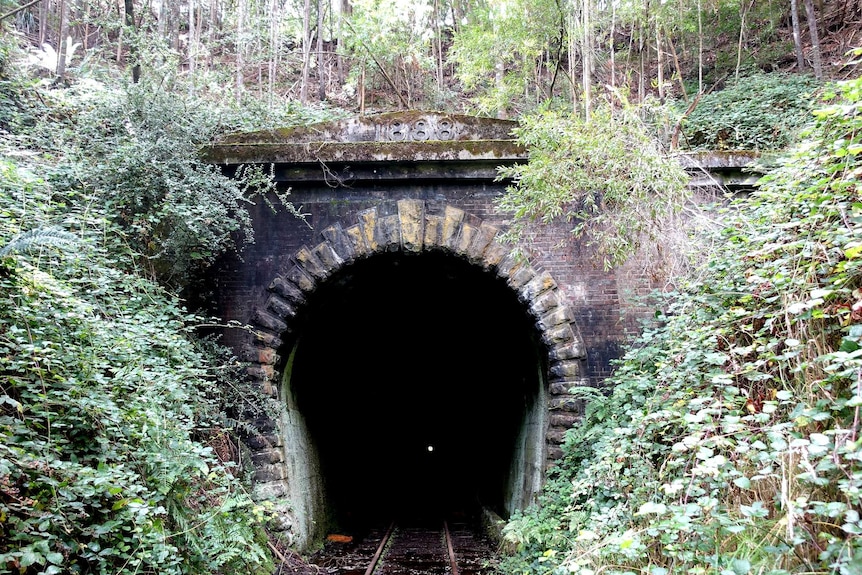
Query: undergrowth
118, 451
759, 111
730, 443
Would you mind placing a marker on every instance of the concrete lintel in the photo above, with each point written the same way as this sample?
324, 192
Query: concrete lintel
315, 153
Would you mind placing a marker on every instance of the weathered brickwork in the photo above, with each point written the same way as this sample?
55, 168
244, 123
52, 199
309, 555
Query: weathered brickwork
442, 202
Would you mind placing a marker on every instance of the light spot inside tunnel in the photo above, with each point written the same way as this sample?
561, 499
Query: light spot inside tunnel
415, 375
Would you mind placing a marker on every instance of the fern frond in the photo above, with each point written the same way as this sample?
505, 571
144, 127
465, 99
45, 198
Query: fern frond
587, 392
37, 238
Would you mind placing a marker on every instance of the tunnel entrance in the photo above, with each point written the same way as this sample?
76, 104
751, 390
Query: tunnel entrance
417, 381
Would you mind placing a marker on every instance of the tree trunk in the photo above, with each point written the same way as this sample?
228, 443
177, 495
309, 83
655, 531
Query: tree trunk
240, 47
499, 77
174, 23
44, 10
272, 64
438, 46
741, 35
677, 67
611, 45
190, 40
321, 77
587, 59
362, 89
797, 37
699, 47
86, 31
120, 34
130, 25
213, 32
573, 50
815, 39
61, 40
344, 13
163, 19
306, 52
642, 45
659, 54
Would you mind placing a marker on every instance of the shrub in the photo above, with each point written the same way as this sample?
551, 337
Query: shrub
606, 176
109, 404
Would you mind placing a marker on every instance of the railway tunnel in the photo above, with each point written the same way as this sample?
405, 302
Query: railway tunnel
395, 320
410, 363
419, 381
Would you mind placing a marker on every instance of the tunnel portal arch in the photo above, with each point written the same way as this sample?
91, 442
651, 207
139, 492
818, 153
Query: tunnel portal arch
285, 454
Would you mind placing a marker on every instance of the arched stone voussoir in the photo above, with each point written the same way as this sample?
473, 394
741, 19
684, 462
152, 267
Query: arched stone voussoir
494, 255
568, 350
298, 276
482, 237
367, 229
566, 369
327, 256
464, 239
287, 289
559, 316
520, 276
308, 260
411, 223
453, 219
387, 234
539, 284
341, 242
280, 307
433, 232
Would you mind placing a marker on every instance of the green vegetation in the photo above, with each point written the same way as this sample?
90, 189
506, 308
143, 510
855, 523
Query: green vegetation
578, 174
730, 442
757, 112
117, 435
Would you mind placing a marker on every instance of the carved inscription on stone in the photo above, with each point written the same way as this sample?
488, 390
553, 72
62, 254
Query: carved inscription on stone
422, 129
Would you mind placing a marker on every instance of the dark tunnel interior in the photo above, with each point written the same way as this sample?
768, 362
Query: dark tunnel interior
414, 373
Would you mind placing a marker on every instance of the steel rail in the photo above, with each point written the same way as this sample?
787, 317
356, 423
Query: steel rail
380, 548
452, 563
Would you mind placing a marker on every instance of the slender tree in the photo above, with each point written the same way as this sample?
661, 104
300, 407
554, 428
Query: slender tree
587, 57
699, 47
239, 57
815, 39
797, 36
61, 39
321, 76
306, 51
130, 25
190, 40
659, 62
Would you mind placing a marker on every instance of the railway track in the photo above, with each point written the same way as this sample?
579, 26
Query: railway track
447, 549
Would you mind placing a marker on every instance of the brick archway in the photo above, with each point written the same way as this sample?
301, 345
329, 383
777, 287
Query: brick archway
415, 228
